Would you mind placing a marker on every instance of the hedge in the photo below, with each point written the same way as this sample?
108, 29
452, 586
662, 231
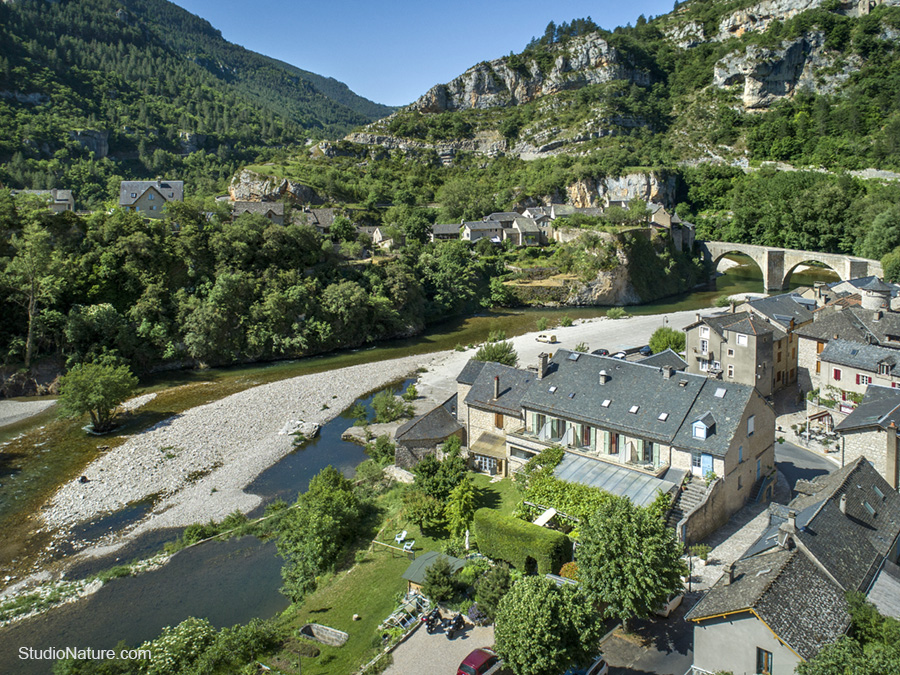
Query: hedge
507, 538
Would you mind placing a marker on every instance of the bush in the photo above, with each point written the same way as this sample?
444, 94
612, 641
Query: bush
498, 352
521, 544
664, 338
439, 584
542, 323
723, 301
616, 313
700, 551
582, 347
566, 321
382, 450
476, 616
411, 393
388, 407
491, 588
569, 571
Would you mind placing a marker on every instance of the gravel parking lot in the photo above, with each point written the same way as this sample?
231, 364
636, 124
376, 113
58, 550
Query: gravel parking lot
424, 653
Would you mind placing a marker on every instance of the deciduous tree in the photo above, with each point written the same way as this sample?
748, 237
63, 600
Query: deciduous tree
96, 389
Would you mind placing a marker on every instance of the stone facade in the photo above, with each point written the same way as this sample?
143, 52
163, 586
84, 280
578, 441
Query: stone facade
878, 446
739, 357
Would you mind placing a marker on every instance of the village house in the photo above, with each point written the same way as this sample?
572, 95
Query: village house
148, 197
871, 430
627, 427
422, 435
445, 232
738, 347
826, 293
274, 211
473, 231
785, 598
58, 201
321, 219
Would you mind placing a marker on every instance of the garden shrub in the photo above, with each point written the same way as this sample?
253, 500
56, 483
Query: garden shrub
507, 538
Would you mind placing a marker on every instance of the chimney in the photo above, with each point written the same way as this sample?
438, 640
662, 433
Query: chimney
667, 372
878, 315
542, 365
792, 520
733, 306
698, 317
729, 574
843, 504
604, 377
496, 387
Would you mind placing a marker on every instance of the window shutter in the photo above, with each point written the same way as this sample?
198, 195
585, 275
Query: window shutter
837, 374
857, 378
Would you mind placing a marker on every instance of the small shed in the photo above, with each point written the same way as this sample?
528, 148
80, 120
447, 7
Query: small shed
415, 573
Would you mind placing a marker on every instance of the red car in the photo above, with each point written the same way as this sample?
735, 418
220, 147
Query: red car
477, 662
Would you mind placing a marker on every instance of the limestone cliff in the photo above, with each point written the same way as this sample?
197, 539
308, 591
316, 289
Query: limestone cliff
582, 61
248, 186
770, 74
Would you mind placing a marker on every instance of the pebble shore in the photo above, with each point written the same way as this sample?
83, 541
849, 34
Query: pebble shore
199, 462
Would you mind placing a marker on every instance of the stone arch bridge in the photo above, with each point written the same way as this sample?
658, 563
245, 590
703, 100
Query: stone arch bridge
777, 264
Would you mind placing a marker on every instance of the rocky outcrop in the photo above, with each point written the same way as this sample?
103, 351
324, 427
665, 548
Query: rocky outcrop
771, 74
249, 186
758, 17
489, 143
191, 142
685, 35
32, 99
94, 140
612, 287
651, 187
580, 62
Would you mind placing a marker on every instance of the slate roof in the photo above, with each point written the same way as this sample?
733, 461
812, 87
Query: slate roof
171, 190
504, 216
263, 208
862, 283
799, 590
320, 218
860, 356
448, 229
527, 225
780, 309
856, 324
885, 593
56, 196
880, 407
470, 372
578, 396
436, 425
665, 358
739, 322
513, 384
483, 225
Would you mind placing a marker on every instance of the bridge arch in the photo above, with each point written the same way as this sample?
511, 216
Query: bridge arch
789, 271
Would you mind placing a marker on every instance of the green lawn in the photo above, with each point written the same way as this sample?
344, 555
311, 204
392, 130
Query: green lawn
372, 588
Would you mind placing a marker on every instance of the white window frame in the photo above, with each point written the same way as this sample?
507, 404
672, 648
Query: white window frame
742, 340
704, 346
730, 371
751, 425
704, 331
730, 352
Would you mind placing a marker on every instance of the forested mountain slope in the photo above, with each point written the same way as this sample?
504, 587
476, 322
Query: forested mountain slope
95, 90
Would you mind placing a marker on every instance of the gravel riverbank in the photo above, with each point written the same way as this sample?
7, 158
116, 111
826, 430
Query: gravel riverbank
198, 462
14, 411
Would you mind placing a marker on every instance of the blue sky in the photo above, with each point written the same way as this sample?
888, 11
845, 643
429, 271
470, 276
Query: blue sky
393, 51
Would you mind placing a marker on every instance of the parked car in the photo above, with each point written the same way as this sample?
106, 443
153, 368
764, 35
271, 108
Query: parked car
619, 355
546, 337
646, 351
600, 352
670, 605
478, 662
598, 667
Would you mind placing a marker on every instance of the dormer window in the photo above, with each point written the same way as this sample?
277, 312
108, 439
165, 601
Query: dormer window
134, 195
699, 430
884, 369
704, 427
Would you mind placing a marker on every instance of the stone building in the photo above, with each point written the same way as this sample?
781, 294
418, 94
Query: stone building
785, 598
274, 211
870, 431
738, 347
58, 201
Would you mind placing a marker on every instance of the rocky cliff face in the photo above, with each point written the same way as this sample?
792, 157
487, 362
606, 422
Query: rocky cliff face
248, 186
770, 74
759, 17
96, 141
612, 287
582, 61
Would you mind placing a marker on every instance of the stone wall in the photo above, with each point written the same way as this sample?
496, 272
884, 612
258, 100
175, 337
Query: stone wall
876, 445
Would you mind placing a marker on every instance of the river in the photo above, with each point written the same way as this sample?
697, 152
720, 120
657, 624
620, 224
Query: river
232, 582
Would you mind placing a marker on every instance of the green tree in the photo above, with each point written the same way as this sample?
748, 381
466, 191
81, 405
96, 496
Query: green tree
542, 628
33, 276
95, 389
388, 407
664, 338
890, 263
422, 509
491, 587
342, 229
461, 507
439, 585
628, 559
499, 352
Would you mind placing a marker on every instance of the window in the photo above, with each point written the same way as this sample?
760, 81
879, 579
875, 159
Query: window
836, 374
134, 195
740, 454
751, 424
704, 331
613, 443
741, 340
730, 352
704, 365
778, 358
704, 346
730, 371
520, 453
818, 367
819, 347
884, 369
740, 483
699, 430
695, 460
778, 376
763, 661
498, 420
863, 379
153, 207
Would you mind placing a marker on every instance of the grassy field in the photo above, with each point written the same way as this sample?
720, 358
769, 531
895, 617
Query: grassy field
373, 587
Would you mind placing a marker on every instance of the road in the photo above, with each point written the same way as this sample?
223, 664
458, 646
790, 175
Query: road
796, 463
